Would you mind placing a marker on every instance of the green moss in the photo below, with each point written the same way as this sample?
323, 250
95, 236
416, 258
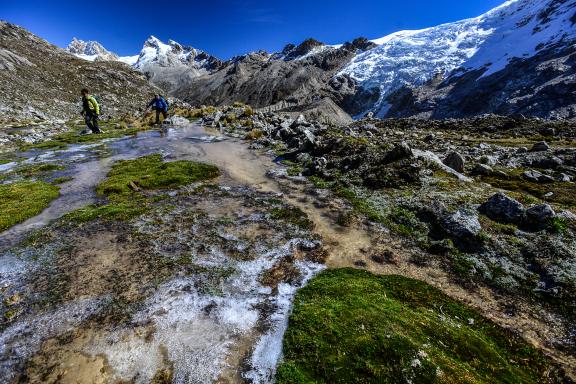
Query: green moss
37, 169
22, 200
114, 211
558, 225
351, 326
562, 192
293, 215
150, 172
319, 182
405, 222
496, 228
62, 180
295, 170
64, 139
360, 204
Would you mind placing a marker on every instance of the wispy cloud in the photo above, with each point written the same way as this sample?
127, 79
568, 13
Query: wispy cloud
262, 16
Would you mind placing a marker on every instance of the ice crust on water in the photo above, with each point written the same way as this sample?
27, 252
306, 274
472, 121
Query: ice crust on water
268, 349
24, 338
196, 329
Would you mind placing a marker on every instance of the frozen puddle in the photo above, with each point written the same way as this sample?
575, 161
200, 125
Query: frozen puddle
196, 331
217, 314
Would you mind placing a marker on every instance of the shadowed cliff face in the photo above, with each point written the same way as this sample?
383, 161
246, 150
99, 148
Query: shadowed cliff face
303, 75
541, 86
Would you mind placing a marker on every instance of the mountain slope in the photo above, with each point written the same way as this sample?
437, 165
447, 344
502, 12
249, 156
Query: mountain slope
291, 80
516, 29
41, 81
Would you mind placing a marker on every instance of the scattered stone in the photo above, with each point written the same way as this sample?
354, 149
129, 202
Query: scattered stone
550, 162
537, 177
132, 185
462, 224
455, 161
504, 209
567, 215
563, 177
360, 263
541, 146
488, 160
482, 169
399, 152
539, 213
378, 259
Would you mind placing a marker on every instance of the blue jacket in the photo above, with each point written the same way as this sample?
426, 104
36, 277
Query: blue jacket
159, 104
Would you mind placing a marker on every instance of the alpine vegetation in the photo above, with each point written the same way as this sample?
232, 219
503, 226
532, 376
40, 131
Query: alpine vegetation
390, 210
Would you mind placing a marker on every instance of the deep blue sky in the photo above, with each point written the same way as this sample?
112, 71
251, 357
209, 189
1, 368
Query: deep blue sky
226, 28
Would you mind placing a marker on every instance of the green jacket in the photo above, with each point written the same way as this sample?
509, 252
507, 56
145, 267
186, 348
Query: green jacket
90, 104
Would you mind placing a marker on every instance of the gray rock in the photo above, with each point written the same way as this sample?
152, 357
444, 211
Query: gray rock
537, 177
488, 160
547, 162
455, 161
503, 209
567, 215
286, 124
541, 146
462, 224
538, 215
564, 178
400, 151
300, 120
482, 169
521, 150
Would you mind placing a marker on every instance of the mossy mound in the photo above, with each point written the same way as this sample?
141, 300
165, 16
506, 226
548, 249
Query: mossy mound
150, 173
23, 200
350, 326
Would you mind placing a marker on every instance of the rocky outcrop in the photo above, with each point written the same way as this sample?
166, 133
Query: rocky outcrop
261, 80
540, 86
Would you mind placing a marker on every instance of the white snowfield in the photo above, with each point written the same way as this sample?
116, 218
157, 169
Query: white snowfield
517, 28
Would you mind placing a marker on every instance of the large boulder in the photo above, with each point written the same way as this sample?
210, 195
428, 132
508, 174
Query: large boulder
537, 177
541, 146
504, 209
455, 161
482, 169
539, 215
462, 224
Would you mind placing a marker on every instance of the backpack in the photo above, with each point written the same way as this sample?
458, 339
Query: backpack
99, 101
165, 102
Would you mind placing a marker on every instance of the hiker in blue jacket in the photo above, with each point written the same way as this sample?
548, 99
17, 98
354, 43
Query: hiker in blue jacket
160, 105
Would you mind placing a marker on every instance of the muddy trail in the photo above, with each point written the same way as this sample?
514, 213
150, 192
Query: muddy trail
198, 287
196, 290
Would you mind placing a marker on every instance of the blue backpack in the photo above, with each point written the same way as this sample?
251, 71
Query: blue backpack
165, 103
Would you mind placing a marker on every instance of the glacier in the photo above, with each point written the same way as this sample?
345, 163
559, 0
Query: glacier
517, 28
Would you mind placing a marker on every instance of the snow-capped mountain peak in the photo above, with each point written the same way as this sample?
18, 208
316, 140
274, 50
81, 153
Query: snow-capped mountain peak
516, 29
90, 50
172, 54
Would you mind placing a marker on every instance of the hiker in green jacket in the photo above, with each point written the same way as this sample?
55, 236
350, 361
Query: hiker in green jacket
90, 111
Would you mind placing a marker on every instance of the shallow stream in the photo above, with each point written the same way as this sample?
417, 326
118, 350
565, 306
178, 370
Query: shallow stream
223, 324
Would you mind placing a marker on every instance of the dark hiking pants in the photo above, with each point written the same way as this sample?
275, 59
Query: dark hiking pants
158, 112
91, 120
